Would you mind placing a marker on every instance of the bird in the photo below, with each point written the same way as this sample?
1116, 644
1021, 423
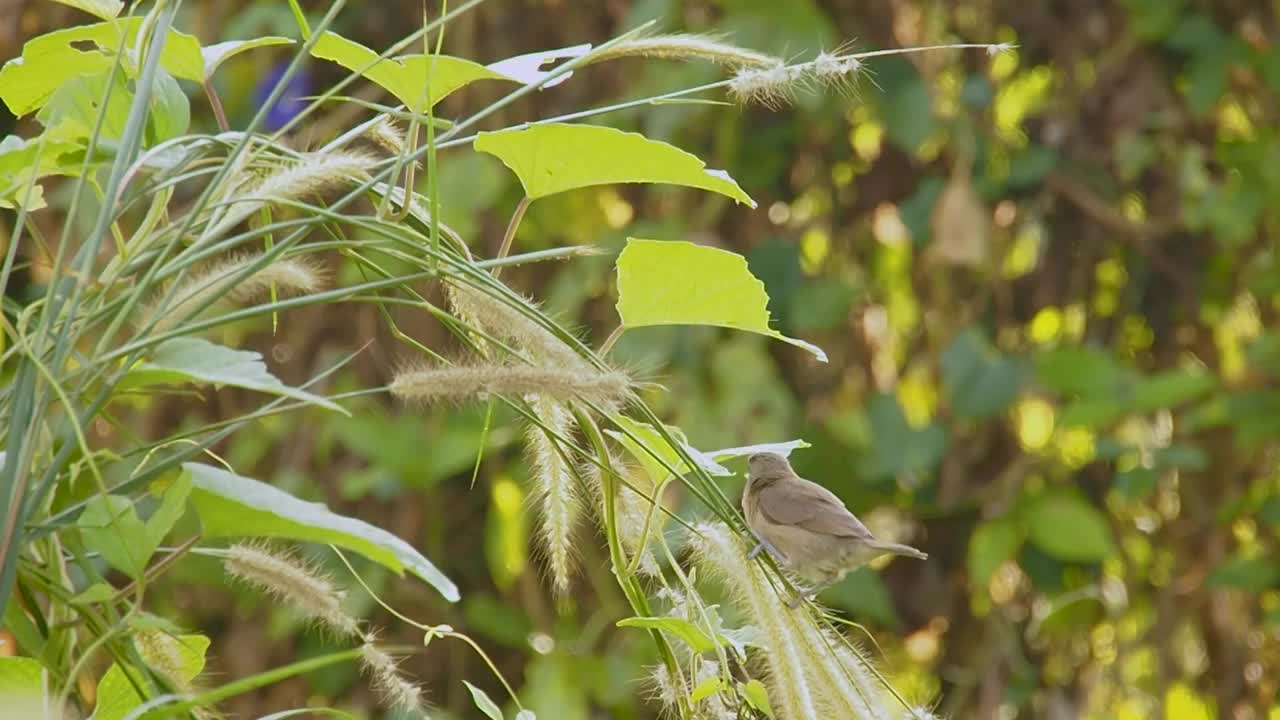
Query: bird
806, 527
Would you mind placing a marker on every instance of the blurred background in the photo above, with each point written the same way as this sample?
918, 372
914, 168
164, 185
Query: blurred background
1047, 281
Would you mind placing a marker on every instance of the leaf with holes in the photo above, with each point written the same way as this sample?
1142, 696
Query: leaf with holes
418, 81
557, 157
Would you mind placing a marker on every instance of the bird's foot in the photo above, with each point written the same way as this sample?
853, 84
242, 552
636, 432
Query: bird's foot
762, 545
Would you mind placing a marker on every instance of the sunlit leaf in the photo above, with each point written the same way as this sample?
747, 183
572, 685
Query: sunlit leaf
680, 283
484, 702
75, 106
1069, 528
556, 157
20, 676
233, 506
188, 359
48, 61
218, 53
418, 81
691, 634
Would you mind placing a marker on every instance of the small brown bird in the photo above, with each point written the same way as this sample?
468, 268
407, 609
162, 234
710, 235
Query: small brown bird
806, 527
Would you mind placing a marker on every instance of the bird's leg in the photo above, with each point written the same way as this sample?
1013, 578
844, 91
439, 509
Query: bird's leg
763, 544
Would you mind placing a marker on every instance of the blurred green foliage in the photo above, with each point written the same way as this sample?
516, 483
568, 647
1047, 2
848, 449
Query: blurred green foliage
1048, 283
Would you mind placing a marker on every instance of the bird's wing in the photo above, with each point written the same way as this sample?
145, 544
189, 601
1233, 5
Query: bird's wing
811, 507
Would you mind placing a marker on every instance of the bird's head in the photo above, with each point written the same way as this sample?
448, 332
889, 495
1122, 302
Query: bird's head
767, 466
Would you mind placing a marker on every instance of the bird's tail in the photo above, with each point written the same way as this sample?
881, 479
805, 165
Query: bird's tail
898, 549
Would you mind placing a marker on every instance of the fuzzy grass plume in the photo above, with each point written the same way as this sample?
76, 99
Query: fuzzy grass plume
631, 512
558, 498
312, 175
812, 671
393, 688
683, 46
224, 280
387, 136
495, 317
292, 581
464, 382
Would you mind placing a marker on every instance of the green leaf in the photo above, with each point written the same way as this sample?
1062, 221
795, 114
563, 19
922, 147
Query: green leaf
753, 691
556, 157
993, 543
75, 106
484, 702
170, 110
170, 510
680, 283
19, 677
691, 634
218, 53
19, 167
705, 689
418, 81
1170, 389
95, 593
50, 60
104, 9
188, 359
1255, 574
1068, 528
109, 525
116, 696
897, 448
1080, 371
233, 506
979, 383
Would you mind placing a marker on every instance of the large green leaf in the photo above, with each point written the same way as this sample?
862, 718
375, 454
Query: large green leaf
21, 676
233, 506
50, 60
110, 526
978, 381
556, 157
74, 107
116, 696
418, 81
680, 283
1067, 527
187, 359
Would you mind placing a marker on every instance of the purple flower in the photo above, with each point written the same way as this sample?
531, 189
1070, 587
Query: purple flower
290, 102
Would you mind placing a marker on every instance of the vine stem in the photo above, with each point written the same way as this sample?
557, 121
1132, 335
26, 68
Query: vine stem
630, 585
215, 103
510, 235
